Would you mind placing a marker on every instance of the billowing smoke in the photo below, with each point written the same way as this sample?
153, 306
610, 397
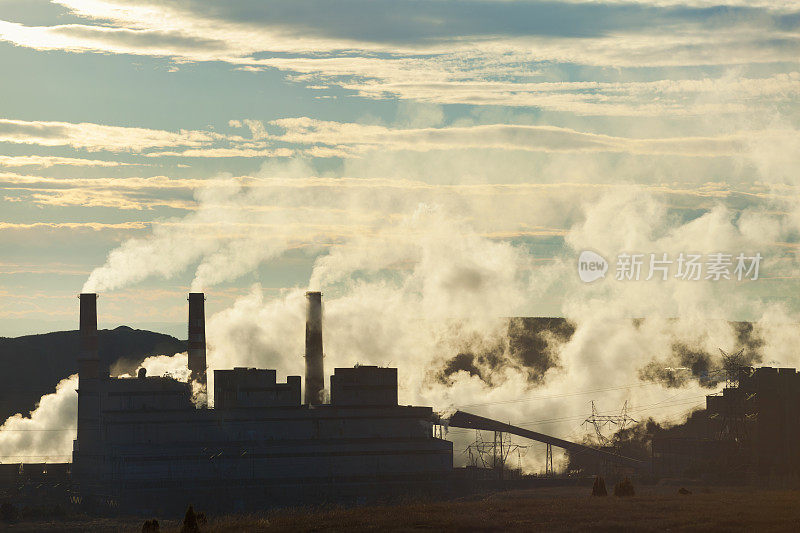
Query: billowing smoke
693, 362
431, 294
46, 434
241, 222
176, 367
425, 275
531, 345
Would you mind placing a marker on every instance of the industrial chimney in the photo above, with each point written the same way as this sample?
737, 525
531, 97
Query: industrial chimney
315, 369
197, 337
91, 378
89, 361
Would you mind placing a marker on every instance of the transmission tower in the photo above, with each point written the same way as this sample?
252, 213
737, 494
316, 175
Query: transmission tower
492, 454
731, 364
734, 414
549, 471
615, 422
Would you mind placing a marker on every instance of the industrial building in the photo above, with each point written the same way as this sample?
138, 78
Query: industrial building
143, 443
751, 429
146, 443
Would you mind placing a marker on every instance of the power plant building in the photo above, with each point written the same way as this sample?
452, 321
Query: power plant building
751, 429
146, 443
143, 441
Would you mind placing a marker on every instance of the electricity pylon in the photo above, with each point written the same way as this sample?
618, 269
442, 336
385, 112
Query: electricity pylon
616, 422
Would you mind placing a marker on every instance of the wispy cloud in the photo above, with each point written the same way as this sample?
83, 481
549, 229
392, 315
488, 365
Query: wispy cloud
94, 226
358, 138
319, 138
133, 183
37, 268
115, 199
95, 137
226, 152
470, 52
50, 161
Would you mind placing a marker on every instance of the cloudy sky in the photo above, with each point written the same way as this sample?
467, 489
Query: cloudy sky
192, 143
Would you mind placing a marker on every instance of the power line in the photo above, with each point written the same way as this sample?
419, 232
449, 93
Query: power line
32, 456
566, 395
2, 430
647, 407
599, 421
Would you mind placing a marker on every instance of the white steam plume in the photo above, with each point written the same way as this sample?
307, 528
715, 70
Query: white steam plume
46, 434
417, 292
414, 274
428, 288
176, 367
241, 222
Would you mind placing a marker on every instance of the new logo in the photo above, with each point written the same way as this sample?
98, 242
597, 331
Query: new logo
591, 266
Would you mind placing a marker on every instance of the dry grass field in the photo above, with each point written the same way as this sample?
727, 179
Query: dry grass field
552, 509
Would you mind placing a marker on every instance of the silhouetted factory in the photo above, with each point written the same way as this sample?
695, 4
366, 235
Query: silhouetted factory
146, 443
751, 429
143, 439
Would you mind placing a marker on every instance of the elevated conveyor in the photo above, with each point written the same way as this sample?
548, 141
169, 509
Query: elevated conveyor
461, 419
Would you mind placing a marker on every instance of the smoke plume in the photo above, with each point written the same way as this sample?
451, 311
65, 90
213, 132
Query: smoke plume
424, 275
46, 434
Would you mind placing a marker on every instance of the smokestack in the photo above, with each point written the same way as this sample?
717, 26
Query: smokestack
89, 361
197, 337
91, 373
315, 369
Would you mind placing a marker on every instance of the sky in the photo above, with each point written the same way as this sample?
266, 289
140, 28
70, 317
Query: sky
418, 162
117, 115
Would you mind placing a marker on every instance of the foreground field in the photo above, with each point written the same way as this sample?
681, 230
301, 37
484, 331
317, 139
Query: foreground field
565, 509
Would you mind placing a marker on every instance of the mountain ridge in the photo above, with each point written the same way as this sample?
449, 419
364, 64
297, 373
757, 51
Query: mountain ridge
32, 365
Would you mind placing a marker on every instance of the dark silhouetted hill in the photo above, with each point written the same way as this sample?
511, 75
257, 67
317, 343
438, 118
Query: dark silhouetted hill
32, 365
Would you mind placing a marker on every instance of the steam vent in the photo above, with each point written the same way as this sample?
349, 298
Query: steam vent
143, 444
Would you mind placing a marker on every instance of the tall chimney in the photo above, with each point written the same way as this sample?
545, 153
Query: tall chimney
89, 360
315, 369
197, 337
91, 378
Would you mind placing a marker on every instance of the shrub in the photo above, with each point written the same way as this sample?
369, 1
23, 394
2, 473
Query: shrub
599, 487
624, 488
190, 522
8, 512
151, 526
